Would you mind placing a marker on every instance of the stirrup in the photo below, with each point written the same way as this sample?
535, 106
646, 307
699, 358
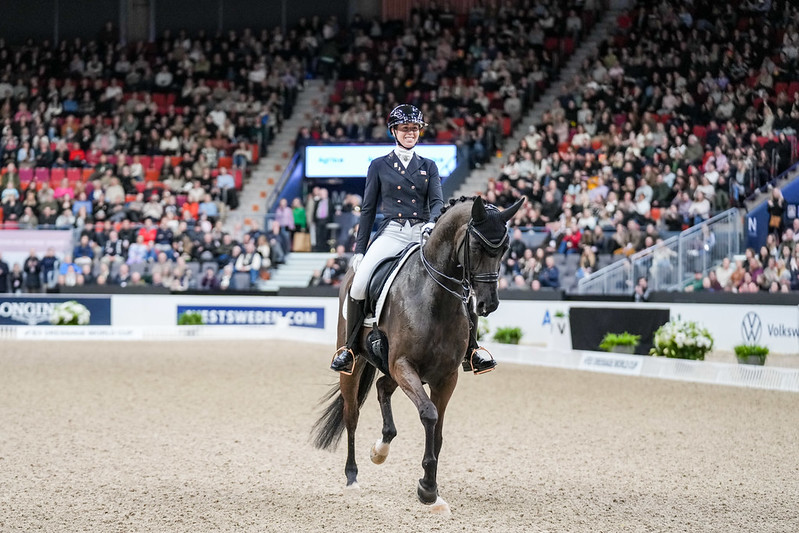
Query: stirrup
487, 364
347, 371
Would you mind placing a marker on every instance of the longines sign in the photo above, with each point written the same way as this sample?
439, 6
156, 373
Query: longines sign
33, 311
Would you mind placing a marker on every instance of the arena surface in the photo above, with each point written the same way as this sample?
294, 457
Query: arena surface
214, 436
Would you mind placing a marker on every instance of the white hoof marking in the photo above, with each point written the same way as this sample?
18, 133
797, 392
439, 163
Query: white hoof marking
440, 507
379, 452
352, 491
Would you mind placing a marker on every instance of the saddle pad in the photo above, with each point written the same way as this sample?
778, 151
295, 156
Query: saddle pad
381, 300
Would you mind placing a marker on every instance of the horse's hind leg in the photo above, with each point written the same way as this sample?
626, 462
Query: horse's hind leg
385, 388
349, 392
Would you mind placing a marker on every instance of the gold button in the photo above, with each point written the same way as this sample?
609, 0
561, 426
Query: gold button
399, 201
425, 180
402, 172
413, 201
400, 215
413, 186
414, 214
399, 187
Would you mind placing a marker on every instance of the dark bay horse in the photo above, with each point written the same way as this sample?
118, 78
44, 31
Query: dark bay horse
426, 321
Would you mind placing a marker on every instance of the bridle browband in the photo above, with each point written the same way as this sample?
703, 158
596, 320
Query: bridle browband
467, 277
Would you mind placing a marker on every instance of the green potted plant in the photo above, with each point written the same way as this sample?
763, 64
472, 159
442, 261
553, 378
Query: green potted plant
508, 335
682, 339
190, 318
619, 342
751, 354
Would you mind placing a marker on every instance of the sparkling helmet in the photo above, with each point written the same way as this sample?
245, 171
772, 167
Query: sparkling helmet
406, 114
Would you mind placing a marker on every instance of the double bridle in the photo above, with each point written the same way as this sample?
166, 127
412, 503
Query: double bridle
467, 277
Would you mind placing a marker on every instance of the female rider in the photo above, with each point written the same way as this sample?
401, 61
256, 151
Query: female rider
407, 189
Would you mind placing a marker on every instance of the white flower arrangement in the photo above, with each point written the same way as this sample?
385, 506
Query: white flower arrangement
70, 313
683, 339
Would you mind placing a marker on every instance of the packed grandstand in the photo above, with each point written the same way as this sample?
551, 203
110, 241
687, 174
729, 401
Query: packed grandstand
624, 129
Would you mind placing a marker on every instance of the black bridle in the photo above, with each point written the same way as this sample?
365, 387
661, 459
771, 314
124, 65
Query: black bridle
468, 278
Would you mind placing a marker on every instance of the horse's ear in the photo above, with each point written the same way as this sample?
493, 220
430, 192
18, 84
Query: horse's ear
478, 210
509, 212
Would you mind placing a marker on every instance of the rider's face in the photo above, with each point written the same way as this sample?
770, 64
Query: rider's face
408, 134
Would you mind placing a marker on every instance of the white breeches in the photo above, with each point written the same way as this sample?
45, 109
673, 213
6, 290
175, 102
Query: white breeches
394, 238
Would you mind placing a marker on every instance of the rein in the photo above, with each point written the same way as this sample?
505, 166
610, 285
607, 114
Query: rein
467, 278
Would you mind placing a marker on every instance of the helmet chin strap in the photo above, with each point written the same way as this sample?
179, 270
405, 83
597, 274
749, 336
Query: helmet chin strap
397, 140
405, 147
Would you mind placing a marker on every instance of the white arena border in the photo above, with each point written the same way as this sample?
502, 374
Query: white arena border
751, 376
757, 377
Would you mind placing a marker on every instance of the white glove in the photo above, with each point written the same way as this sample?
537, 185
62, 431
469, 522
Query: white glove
427, 228
355, 261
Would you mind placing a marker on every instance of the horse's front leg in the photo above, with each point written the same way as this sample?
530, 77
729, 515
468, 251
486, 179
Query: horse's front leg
409, 381
385, 388
440, 395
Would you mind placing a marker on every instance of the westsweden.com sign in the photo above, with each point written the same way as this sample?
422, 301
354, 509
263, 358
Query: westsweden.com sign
352, 161
217, 315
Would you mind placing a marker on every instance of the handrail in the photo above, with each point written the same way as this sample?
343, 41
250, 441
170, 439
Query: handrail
670, 264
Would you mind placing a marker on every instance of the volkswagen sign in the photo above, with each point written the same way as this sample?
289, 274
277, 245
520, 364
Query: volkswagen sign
751, 328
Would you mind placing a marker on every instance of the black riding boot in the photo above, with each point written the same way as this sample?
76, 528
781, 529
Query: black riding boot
474, 360
344, 359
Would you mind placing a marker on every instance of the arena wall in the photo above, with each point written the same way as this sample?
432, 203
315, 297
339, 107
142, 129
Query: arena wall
776, 327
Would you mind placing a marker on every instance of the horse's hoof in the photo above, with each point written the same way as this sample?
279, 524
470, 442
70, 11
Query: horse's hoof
379, 452
353, 490
427, 496
440, 507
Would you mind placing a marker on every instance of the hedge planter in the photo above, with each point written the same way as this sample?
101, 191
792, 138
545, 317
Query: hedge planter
751, 354
758, 360
621, 348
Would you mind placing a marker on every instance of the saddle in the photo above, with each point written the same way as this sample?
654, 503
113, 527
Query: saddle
379, 284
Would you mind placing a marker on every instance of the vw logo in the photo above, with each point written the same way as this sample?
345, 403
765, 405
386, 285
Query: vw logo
751, 328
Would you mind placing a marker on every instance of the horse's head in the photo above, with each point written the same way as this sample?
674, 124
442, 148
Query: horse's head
485, 244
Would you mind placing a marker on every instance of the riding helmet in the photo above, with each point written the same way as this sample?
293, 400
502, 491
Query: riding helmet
406, 114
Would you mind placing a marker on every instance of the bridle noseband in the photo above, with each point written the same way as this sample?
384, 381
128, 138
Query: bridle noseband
468, 278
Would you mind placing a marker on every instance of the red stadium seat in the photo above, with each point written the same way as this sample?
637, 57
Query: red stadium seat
42, 174
57, 174
238, 178
25, 174
226, 162
444, 136
700, 131
73, 174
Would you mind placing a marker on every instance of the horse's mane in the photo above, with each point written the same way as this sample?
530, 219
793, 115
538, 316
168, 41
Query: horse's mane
452, 202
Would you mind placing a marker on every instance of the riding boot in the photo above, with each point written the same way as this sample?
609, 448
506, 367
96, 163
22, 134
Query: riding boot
474, 361
344, 359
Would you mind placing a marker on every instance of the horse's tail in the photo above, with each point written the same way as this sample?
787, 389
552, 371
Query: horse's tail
327, 431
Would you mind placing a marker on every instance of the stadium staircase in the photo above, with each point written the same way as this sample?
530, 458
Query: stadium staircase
477, 181
267, 173
297, 271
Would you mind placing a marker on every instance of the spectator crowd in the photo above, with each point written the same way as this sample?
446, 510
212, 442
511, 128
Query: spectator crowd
685, 110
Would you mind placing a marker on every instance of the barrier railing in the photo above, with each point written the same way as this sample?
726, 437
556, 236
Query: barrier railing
671, 264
